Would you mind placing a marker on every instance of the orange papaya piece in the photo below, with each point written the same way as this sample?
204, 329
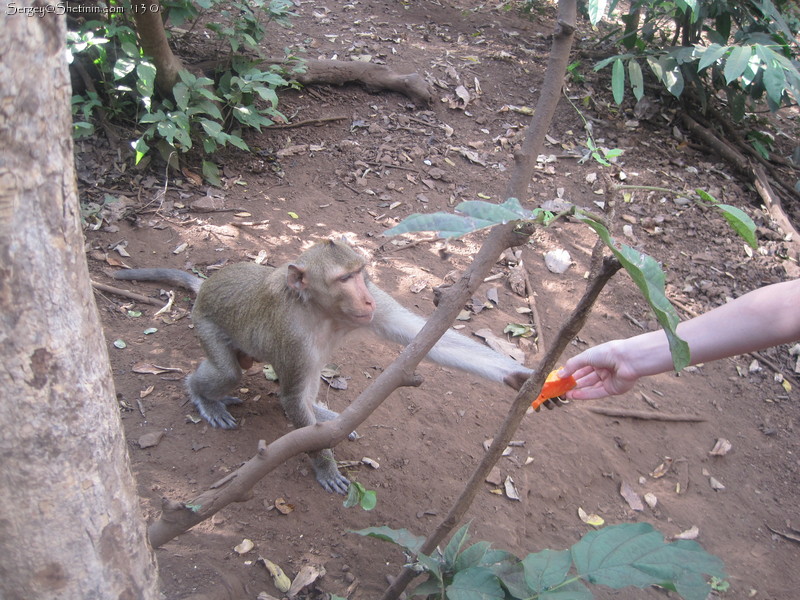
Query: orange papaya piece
554, 386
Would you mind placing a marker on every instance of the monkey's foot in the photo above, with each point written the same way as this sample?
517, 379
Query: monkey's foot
215, 413
328, 474
334, 483
228, 400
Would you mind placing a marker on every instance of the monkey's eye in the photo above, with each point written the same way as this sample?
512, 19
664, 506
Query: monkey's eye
345, 278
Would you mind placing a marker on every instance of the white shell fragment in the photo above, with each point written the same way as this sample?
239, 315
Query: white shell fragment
557, 261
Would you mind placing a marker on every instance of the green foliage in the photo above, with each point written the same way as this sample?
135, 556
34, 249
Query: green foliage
237, 24
205, 113
745, 49
618, 556
358, 495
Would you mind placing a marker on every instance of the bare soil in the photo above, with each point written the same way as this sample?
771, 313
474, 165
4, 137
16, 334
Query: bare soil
386, 159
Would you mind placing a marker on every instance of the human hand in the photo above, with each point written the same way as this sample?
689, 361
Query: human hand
599, 372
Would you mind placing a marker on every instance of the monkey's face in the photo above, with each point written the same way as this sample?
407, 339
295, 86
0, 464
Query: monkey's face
350, 296
332, 277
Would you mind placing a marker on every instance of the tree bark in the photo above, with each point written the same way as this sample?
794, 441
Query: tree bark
71, 525
153, 38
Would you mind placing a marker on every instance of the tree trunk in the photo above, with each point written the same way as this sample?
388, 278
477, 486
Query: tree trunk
71, 525
153, 38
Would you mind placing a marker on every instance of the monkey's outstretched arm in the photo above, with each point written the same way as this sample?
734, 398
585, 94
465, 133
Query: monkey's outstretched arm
394, 322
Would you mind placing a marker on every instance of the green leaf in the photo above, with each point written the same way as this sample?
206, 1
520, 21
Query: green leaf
596, 9
235, 140
369, 500
510, 210
146, 73
401, 537
445, 224
473, 556
182, 95
737, 62
738, 219
123, 66
140, 148
357, 494
212, 128
618, 81
211, 173
546, 569
673, 78
636, 77
519, 330
353, 495
476, 583
635, 554
710, 55
130, 49
740, 222
431, 587
453, 548
649, 278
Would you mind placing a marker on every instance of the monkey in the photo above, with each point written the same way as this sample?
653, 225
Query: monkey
294, 316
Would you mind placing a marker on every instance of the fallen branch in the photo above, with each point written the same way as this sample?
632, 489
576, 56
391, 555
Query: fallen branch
308, 122
126, 294
644, 415
338, 72
372, 76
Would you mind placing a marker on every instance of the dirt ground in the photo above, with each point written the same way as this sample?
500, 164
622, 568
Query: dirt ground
357, 176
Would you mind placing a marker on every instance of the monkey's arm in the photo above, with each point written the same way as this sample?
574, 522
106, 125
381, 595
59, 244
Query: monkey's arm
394, 322
171, 276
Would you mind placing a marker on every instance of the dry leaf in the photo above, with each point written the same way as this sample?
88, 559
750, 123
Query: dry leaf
721, 448
146, 392
510, 489
370, 462
630, 496
279, 578
307, 575
283, 507
662, 469
593, 519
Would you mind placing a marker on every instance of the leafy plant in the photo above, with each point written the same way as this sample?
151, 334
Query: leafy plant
204, 112
629, 554
745, 49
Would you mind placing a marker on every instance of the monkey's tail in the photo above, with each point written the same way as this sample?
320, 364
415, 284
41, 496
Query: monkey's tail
171, 276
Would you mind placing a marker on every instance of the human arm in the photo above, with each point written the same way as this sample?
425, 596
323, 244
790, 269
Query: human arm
765, 317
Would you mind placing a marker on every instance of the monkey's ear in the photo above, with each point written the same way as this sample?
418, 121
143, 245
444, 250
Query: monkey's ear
296, 278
